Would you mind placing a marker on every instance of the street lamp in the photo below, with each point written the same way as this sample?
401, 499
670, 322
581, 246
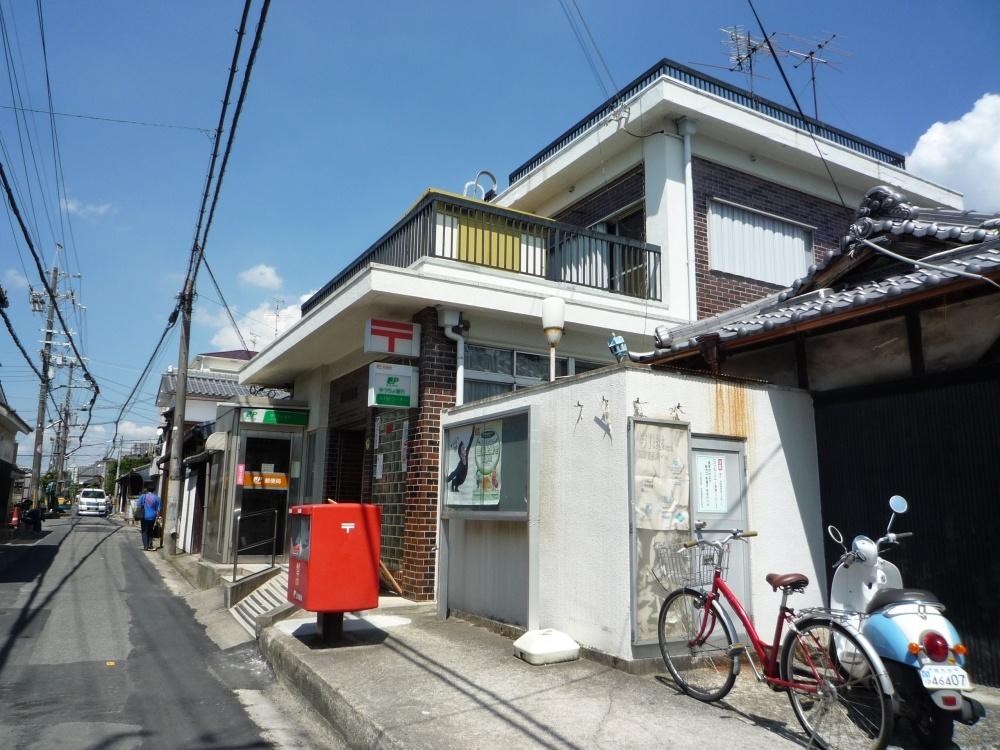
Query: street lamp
553, 322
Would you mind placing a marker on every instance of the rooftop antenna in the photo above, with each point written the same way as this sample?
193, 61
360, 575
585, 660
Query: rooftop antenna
814, 59
278, 303
743, 47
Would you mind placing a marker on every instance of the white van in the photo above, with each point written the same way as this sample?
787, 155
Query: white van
91, 502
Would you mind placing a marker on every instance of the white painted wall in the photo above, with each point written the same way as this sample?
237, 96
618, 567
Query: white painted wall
583, 569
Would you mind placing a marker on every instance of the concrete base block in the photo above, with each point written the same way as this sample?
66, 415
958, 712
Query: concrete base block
546, 646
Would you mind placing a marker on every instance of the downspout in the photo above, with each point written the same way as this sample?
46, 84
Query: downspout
686, 128
450, 321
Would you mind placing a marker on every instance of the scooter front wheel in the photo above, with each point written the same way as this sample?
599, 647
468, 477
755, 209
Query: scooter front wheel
838, 698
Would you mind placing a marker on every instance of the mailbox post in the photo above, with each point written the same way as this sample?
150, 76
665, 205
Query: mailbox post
333, 561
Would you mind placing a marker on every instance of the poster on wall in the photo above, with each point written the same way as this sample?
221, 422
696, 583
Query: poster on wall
661, 512
711, 483
661, 493
474, 457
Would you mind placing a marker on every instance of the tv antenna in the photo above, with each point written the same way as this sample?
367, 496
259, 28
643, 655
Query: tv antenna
277, 312
743, 47
814, 59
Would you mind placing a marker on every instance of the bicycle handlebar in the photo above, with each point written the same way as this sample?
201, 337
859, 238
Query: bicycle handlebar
732, 534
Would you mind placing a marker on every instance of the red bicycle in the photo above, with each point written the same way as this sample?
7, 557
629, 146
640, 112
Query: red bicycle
837, 684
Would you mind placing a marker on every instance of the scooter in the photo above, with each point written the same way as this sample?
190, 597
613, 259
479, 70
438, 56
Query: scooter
920, 648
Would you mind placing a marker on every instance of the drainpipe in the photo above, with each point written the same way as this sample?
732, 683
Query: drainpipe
450, 321
687, 128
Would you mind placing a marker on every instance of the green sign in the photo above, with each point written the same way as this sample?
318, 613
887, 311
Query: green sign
275, 416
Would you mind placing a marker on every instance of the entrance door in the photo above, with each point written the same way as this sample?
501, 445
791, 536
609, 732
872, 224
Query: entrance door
719, 498
266, 462
346, 468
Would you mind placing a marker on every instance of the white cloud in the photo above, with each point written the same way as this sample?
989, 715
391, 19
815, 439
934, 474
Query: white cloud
133, 431
13, 278
86, 210
964, 154
260, 326
261, 275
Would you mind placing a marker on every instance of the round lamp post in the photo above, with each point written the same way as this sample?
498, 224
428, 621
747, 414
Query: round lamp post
553, 322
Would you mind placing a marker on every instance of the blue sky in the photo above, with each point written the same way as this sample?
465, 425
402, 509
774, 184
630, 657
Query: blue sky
355, 108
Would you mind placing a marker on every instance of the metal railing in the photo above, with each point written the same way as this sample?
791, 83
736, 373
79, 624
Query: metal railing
476, 233
670, 69
236, 536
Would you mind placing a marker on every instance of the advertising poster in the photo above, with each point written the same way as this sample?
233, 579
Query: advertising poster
661, 506
474, 458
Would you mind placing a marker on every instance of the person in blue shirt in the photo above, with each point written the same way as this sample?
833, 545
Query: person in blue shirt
150, 503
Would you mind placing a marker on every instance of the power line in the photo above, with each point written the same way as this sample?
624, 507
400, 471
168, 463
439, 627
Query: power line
51, 292
224, 303
205, 131
795, 99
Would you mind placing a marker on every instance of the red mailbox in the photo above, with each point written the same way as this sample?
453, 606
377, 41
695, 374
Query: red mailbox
333, 560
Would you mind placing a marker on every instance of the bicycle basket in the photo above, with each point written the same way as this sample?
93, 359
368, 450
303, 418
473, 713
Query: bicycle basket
674, 568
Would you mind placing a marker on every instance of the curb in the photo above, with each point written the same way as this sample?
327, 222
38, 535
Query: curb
284, 654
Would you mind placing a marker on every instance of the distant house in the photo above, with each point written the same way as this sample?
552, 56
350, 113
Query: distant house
10, 425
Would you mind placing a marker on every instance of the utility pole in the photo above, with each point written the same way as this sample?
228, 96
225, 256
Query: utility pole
172, 501
118, 469
43, 393
63, 442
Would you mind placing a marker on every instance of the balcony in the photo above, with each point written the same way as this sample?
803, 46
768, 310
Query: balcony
458, 229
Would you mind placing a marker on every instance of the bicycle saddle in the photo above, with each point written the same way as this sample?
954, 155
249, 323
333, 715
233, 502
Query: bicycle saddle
787, 581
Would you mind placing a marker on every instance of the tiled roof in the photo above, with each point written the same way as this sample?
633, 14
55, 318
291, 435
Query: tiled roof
955, 242
210, 385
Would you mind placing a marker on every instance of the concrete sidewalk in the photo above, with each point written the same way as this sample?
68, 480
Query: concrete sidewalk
403, 679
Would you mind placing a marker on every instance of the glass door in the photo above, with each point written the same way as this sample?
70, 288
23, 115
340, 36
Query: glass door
263, 479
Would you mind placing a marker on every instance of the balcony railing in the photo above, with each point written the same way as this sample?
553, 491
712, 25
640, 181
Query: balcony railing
676, 71
466, 231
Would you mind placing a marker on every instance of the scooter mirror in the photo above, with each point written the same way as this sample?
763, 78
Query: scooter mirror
898, 504
835, 534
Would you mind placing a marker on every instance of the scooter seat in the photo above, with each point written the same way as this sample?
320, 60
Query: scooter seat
885, 597
787, 581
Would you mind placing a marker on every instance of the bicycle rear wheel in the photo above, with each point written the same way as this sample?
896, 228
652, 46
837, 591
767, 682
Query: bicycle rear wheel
695, 642
839, 702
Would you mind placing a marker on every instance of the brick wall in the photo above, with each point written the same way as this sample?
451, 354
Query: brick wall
437, 391
606, 200
389, 492
718, 291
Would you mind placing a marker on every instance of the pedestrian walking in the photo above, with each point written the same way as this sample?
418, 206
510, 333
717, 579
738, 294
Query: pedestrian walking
150, 504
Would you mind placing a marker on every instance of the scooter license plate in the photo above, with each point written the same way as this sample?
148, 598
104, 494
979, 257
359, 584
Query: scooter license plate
952, 678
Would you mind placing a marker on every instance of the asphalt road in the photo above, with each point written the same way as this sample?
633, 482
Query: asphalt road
100, 648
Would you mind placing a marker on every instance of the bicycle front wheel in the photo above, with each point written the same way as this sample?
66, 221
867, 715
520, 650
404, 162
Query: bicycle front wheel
696, 641
838, 698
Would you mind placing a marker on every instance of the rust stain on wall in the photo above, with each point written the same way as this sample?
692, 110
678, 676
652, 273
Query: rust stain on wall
733, 410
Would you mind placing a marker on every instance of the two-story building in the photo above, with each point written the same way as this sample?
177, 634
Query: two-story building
679, 198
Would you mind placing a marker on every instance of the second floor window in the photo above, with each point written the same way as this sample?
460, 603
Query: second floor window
757, 245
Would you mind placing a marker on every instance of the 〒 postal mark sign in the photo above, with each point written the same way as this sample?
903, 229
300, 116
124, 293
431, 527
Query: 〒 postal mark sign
392, 337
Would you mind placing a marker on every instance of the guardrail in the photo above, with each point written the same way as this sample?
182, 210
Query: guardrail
236, 536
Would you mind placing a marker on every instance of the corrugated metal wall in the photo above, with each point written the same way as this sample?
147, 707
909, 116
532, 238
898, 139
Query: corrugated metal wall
940, 448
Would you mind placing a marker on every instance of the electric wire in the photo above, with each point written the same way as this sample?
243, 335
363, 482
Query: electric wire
52, 295
225, 304
583, 46
16, 95
204, 131
17, 341
241, 32
232, 132
798, 107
